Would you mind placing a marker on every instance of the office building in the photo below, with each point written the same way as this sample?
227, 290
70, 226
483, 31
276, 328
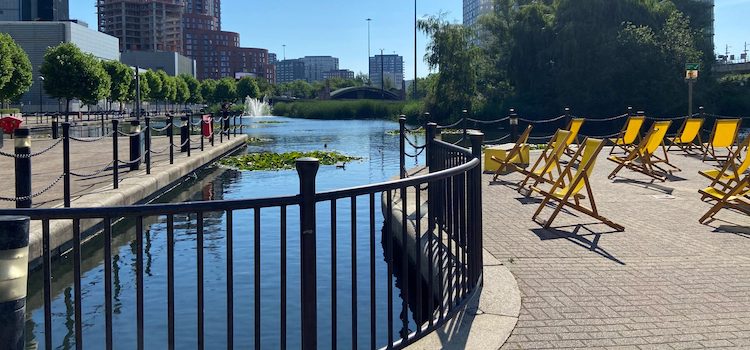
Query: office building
315, 66
154, 25
387, 70
171, 63
341, 73
474, 9
288, 71
36, 37
34, 10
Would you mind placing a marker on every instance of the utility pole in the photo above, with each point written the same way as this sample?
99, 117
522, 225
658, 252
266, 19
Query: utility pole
415, 49
382, 74
284, 46
369, 80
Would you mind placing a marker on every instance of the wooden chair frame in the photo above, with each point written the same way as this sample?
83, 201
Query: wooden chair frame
642, 161
580, 176
625, 145
573, 138
732, 170
687, 145
736, 198
550, 157
710, 149
515, 152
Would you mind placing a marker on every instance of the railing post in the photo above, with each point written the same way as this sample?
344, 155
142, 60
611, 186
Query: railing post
475, 203
568, 115
55, 127
184, 134
234, 130
148, 145
115, 155
135, 145
66, 164
630, 111
429, 159
513, 121
14, 248
402, 146
170, 134
464, 125
701, 112
307, 168
211, 121
22, 140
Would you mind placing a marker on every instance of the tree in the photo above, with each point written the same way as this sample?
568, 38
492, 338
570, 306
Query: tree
15, 70
194, 87
70, 74
168, 88
248, 87
208, 88
154, 83
226, 90
182, 91
144, 87
120, 76
266, 88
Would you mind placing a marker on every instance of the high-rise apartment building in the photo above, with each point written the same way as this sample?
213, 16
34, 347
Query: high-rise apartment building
387, 70
341, 74
315, 66
34, 10
473, 9
288, 71
143, 25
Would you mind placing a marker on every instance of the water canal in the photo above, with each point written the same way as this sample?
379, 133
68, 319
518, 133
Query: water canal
367, 139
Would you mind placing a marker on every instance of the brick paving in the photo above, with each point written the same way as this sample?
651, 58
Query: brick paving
667, 282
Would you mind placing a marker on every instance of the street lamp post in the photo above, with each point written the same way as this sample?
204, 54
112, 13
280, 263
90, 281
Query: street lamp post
415, 50
284, 46
369, 81
137, 93
382, 75
41, 94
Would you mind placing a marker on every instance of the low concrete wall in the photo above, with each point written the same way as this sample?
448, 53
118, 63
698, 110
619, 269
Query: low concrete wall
491, 314
133, 190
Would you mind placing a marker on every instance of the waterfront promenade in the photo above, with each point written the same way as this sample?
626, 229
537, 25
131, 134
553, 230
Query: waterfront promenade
667, 282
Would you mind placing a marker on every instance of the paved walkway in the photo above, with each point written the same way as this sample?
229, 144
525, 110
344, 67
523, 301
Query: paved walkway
86, 159
667, 282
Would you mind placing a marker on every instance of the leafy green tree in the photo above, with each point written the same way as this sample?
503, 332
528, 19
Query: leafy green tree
226, 90
208, 88
15, 70
266, 88
194, 86
167, 91
155, 87
144, 87
70, 74
120, 76
247, 87
182, 91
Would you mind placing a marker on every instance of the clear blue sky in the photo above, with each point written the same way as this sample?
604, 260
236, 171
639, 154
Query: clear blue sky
338, 28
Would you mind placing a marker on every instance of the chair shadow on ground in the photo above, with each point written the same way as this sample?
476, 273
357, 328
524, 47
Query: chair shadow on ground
649, 185
581, 240
725, 226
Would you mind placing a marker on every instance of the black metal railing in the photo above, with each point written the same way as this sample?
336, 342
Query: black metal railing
439, 246
139, 138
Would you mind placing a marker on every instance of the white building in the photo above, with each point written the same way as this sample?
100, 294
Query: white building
315, 66
392, 68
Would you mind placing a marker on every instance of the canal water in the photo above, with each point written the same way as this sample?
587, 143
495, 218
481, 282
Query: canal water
368, 139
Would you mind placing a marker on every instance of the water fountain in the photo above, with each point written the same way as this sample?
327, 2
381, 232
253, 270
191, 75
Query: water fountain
257, 108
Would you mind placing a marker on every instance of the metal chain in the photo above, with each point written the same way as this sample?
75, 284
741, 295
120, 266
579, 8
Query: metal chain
92, 140
607, 119
132, 161
497, 140
130, 135
31, 155
451, 125
414, 130
488, 121
414, 155
160, 152
94, 173
34, 195
541, 137
162, 129
721, 116
459, 141
668, 119
412, 144
543, 120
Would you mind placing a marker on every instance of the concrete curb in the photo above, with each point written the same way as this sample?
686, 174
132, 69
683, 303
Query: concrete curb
488, 319
132, 190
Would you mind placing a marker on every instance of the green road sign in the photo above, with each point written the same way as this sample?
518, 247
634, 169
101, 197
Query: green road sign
692, 66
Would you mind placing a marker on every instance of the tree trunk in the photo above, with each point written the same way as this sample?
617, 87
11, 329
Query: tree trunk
67, 110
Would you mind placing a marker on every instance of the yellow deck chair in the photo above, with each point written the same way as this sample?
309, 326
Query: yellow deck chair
630, 134
723, 136
643, 158
733, 169
562, 194
547, 163
689, 132
574, 127
513, 154
737, 198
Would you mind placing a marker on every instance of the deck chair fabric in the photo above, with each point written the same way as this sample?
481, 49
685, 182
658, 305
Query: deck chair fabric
547, 163
686, 137
723, 135
733, 169
643, 159
629, 135
737, 198
562, 193
515, 152
574, 127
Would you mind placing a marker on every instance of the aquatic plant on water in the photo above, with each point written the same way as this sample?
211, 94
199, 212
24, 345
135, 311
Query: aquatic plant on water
282, 161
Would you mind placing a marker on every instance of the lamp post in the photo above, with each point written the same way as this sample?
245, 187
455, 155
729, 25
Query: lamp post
137, 93
415, 49
382, 74
369, 81
284, 46
41, 94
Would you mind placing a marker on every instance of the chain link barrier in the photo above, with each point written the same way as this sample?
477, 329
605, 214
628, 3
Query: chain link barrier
441, 127
488, 121
165, 128
543, 120
415, 155
413, 144
92, 140
497, 140
96, 173
31, 155
36, 194
130, 134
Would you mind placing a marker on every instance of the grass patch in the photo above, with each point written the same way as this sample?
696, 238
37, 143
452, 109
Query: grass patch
348, 109
257, 140
282, 161
397, 132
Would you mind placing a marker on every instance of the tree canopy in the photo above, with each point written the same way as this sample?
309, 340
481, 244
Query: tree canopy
248, 87
15, 70
120, 76
70, 74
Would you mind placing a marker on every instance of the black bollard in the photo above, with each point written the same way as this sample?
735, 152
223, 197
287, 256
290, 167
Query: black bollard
66, 164
23, 167
402, 146
307, 168
136, 145
55, 126
170, 135
184, 134
147, 145
115, 155
14, 248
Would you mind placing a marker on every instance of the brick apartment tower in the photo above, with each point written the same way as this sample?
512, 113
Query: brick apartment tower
143, 25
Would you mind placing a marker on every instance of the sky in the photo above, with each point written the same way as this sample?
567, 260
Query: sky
339, 28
